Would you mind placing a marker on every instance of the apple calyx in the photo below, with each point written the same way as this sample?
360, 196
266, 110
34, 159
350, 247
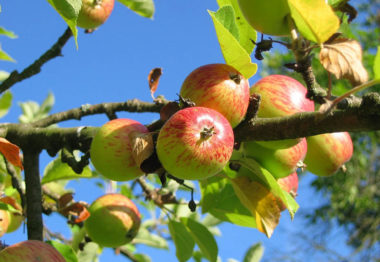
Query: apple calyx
207, 132
236, 78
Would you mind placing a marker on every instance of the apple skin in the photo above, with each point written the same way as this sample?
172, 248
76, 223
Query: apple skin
94, 13
220, 87
4, 221
290, 185
279, 162
111, 149
186, 151
114, 220
328, 152
31, 250
15, 219
267, 17
281, 96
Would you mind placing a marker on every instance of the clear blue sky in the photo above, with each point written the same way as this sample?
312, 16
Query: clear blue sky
112, 65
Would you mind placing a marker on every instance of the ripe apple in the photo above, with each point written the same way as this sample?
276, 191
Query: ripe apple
279, 162
290, 185
31, 250
114, 220
220, 87
195, 143
4, 221
111, 149
94, 13
328, 152
267, 17
15, 219
281, 96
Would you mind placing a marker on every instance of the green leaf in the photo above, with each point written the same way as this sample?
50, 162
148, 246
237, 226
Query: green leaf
5, 56
254, 253
144, 8
69, 11
234, 54
183, 240
147, 238
8, 207
142, 257
376, 64
5, 103
219, 199
202, 236
57, 170
66, 251
6, 32
314, 19
89, 252
258, 173
47, 104
3, 75
226, 16
336, 3
246, 32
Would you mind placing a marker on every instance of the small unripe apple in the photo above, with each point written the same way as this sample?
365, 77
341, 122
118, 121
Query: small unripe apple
279, 162
4, 221
195, 143
220, 87
281, 96
15, 219
290, 185
267, 17
111, 149
328, 152
31, 251
114, 220
94, 13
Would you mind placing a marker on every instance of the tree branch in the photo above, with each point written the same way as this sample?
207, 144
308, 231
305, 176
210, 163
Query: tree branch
35, 68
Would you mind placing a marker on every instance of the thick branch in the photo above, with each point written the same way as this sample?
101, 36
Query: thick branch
35, 68
33, 195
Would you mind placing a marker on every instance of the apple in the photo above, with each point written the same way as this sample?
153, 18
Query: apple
281, 96
195, 143
114, 220
4, 221
111, 149
290, 185
15, 219
94, 13
279, 162
30, 251
267, 17
220, 87
328, 152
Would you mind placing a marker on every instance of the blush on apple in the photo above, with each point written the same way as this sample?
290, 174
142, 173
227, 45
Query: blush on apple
4, 221
114, 220
31, 251
15, 219
111, 149
328, 152
290, 185
281, 96
94, 13
195, 143
220, 87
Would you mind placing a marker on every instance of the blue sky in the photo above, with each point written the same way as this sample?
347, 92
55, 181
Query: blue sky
112, 65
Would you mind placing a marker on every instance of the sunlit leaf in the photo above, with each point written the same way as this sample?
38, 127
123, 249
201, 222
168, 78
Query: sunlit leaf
343, 58
315, 19
376, 64
11, 152
144, 8
5, 56
66, 251
147, 238
5, 103
183, 240
3, 75
254, 253
6, 32
89, 252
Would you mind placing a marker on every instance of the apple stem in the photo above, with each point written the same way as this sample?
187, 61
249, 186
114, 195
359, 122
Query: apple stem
207, 132
236, 78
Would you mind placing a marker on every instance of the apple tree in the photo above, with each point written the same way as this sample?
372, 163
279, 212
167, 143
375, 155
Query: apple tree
241, 146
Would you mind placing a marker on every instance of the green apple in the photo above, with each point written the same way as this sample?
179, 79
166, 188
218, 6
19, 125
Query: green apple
15, 218
31, 251
328, 152
114, 220
111, 149
4, 221
279, 162
94, 13
268, 17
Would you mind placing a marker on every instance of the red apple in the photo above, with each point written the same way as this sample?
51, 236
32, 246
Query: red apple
220, 87
15, 218
281, 96
279, 162
94, 13
328, 152
114, 220
31, 251
195, 143
111, 149
290, 185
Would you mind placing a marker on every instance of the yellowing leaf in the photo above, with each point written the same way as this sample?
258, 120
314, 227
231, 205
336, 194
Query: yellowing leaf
343, 58
11, 152
314, 19
153, 79
142, 146
259, 201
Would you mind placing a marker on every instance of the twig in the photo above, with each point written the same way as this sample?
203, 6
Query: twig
35, 68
